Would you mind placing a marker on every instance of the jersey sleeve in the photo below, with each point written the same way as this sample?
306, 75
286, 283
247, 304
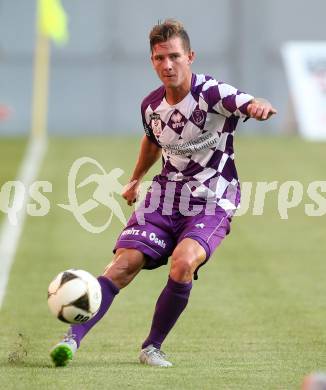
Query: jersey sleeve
227, 100
147, 128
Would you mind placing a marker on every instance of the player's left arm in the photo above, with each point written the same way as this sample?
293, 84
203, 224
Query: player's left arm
260, 109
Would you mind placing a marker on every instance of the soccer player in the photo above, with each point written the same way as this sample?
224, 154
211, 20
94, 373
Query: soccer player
190, 122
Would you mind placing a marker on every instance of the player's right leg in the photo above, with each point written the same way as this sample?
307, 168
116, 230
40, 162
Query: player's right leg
125, 266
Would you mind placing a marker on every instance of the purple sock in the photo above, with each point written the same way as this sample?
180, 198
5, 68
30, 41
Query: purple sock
170, 304
109, 291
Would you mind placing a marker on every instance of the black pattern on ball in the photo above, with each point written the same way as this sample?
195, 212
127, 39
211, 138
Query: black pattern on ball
66, 277
82, 302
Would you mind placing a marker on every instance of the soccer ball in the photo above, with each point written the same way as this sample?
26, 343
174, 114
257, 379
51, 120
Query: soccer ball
74, 296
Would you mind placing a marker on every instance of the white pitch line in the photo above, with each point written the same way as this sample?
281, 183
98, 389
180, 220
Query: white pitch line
9, 233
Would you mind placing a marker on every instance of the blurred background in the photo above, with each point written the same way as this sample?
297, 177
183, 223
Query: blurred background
262, 324
98, 79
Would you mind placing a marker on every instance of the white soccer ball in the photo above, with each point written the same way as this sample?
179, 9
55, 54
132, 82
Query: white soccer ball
74, 296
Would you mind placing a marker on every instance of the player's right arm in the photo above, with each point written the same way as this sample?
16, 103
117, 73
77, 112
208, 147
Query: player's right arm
148, 155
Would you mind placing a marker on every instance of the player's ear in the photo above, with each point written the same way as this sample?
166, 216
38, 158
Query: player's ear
191, 57
152, 60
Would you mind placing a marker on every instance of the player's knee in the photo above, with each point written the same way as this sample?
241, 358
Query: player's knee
129, 259
124, 266
182, 265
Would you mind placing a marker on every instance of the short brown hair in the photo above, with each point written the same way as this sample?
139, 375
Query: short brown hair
170, 28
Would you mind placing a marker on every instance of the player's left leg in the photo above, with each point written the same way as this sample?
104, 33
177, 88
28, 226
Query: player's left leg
186, 258
199, 237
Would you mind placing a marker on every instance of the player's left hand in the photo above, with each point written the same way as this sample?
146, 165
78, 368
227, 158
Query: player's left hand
260, 109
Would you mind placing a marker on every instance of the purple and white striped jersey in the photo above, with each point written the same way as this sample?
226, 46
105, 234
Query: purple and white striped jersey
196, 137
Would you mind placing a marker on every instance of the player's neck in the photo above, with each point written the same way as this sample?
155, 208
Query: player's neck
175, 95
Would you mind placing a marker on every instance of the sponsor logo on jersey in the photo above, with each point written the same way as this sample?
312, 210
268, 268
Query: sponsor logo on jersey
205, 141
156, 124
176, 119
198, 117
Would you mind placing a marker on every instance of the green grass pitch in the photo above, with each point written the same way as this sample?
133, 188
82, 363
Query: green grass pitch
256, 317
11, 153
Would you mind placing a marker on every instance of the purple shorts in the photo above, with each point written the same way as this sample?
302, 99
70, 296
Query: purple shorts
160, 234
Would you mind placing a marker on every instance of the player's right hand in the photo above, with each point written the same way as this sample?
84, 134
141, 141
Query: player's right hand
131, 192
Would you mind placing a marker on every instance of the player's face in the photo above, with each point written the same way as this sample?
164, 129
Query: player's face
172, 62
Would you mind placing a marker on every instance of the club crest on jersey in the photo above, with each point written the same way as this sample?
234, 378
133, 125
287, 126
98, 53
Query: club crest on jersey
156, 124
176, 118
198, 117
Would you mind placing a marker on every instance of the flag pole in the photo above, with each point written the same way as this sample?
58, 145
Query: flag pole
40, 85
51, 23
